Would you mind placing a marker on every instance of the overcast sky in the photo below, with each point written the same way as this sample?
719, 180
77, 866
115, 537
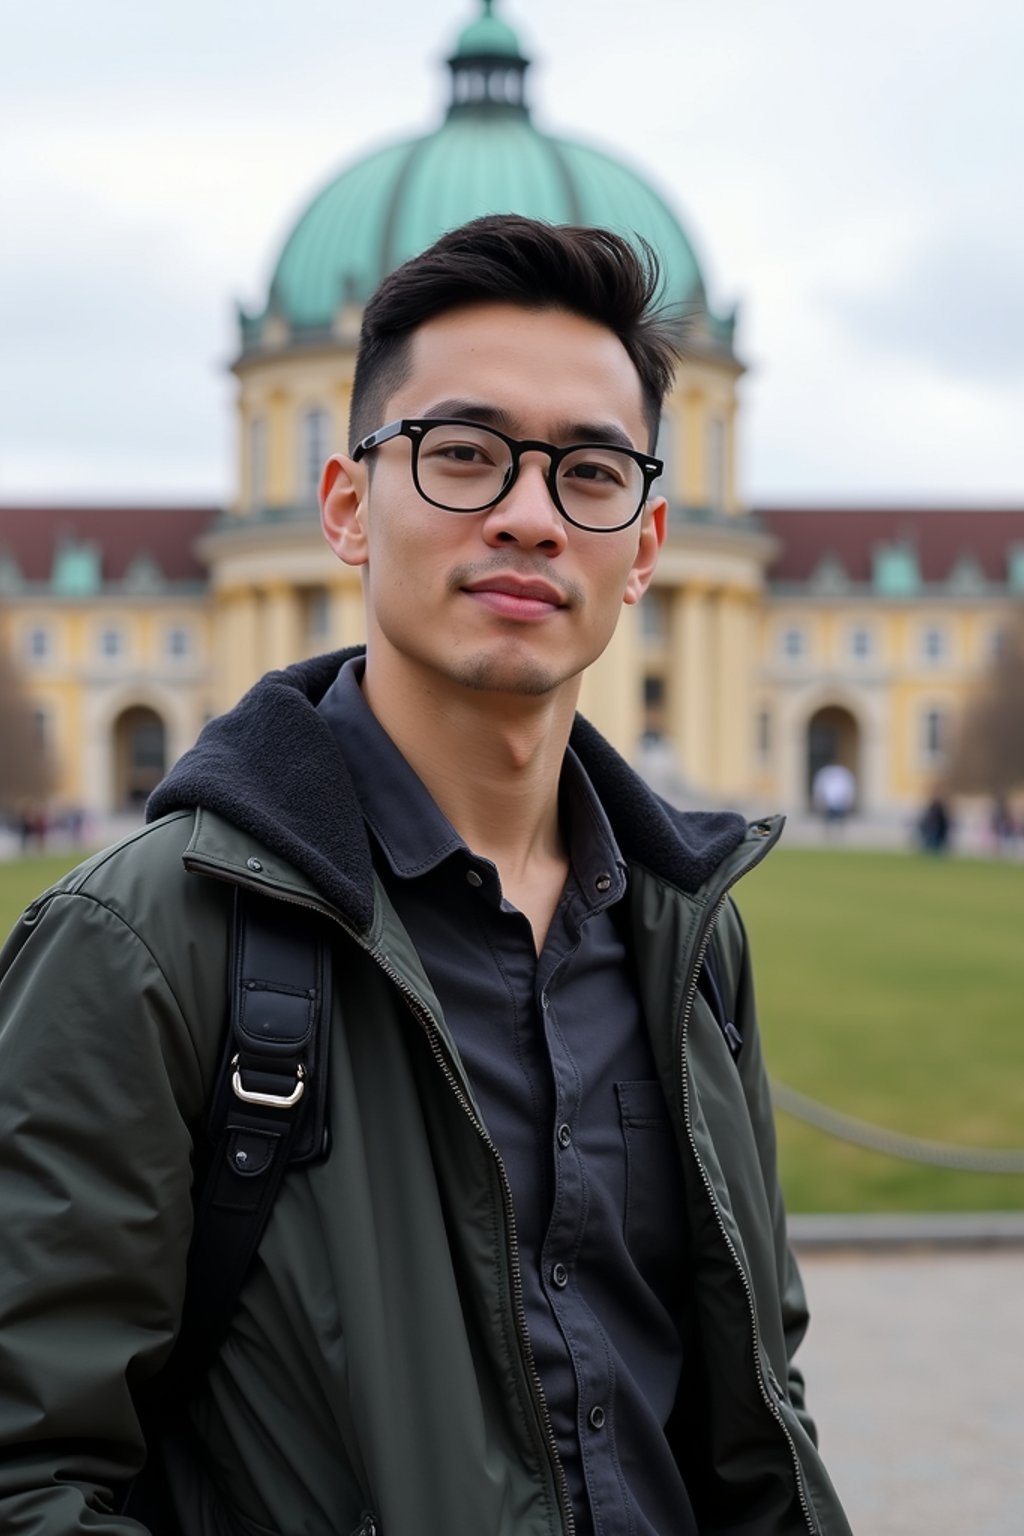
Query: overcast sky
852, 176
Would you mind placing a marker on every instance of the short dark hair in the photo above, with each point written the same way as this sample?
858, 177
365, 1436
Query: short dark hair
504, 258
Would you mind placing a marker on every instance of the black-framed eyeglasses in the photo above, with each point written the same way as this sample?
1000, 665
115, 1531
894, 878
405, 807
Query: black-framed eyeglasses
461, 466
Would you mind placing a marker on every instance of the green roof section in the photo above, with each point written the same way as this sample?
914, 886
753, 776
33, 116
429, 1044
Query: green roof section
487, 156
894, 570
77, 568
487, 37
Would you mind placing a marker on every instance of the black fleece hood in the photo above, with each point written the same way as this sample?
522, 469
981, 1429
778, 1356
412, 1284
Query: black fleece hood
272, 768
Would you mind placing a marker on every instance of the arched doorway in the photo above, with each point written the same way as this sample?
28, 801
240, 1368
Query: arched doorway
833, 736
140, 756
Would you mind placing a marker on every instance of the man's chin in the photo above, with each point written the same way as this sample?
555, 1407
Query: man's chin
518, 675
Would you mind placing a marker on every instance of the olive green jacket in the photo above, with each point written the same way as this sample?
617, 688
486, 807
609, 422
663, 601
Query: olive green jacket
377, 1376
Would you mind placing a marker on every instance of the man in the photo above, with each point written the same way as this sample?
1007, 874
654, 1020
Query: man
540, 1281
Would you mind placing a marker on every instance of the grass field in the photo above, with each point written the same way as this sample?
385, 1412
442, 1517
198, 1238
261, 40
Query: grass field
21, 880
891, 987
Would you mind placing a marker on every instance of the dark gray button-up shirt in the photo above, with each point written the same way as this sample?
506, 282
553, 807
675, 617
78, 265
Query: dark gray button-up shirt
557, 1054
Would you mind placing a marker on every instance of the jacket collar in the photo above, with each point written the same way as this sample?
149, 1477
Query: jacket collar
272, 768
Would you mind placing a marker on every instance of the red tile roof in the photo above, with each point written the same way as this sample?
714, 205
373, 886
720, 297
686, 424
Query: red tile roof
166, 534
941, 536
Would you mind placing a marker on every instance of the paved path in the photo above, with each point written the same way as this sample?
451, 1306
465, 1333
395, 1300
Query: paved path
915, 1370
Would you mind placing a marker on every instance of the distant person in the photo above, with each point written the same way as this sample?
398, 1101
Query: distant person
1002, 825
834, 792
935, 825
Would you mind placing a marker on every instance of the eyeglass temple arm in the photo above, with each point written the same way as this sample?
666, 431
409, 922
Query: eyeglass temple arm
382, 435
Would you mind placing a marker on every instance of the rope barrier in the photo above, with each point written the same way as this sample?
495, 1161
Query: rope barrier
893, 1143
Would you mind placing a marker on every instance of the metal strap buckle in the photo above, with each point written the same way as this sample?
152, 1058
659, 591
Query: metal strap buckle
270, 1100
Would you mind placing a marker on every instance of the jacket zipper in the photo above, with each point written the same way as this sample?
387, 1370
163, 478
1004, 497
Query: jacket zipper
429, 1027
770, 1402
433, 1038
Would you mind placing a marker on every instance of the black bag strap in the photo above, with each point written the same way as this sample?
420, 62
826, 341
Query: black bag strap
268, 1110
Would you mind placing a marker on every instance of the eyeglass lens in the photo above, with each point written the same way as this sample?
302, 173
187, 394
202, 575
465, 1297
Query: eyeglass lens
465, 468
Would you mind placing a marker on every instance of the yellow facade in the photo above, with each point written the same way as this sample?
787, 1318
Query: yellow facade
103, 674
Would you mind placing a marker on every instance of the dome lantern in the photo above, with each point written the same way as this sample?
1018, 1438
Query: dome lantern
488, 67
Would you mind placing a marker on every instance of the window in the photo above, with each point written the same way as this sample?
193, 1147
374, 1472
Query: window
178, 642
716, 464
111, 642
670, 451
257, 462
861, 643
654, 708
654, 618
38, 643
934, 736
764, 733
316, 426
316, 608
934, 643
794, 643
997, 644
42, 729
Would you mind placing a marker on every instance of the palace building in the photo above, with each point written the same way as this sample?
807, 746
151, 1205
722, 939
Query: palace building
771, 642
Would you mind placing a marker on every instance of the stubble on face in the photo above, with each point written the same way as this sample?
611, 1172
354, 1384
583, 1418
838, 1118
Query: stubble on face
512, 669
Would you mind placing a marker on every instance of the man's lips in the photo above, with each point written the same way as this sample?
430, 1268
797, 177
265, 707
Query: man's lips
516, 597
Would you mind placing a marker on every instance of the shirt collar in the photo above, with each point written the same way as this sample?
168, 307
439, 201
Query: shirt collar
413, 833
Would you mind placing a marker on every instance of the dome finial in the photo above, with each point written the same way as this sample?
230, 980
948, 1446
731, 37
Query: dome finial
488, 66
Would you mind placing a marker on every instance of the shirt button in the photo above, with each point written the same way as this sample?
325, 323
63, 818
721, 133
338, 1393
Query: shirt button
596, 1417
603, 883
474, 878
565, 1135
560, 1276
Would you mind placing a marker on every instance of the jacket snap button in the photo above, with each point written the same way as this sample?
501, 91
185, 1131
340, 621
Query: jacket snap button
560, 1276
597, 1418
603, 882
254, 865
564, 1135
474, 878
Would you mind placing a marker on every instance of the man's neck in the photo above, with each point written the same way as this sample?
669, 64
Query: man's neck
492, 763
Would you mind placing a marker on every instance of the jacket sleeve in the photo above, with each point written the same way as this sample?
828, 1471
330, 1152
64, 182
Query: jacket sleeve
98, 1082
754, 1077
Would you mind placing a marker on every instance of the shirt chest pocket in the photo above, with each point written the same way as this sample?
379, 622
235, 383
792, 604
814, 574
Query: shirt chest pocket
653, 1214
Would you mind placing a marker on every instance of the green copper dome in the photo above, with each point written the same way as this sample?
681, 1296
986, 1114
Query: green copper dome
486, 157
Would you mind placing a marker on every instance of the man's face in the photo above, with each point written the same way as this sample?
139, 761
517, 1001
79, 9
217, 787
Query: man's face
513, 599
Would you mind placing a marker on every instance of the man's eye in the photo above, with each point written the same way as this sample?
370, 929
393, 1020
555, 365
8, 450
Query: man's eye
595, 471
460, 453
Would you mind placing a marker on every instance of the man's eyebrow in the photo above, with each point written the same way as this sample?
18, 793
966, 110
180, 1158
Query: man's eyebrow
471, 410
593, 432
564, 431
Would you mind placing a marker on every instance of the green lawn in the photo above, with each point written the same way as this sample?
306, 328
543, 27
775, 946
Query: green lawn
891, 987
21, 880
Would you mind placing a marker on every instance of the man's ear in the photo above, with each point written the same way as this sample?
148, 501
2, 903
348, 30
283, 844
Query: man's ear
343, 491
653, 526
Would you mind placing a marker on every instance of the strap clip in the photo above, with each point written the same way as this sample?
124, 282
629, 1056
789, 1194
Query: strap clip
270, 1100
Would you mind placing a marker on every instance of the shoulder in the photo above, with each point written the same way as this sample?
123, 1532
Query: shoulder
128, 936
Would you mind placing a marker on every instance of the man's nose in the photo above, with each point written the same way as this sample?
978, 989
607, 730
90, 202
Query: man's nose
527, 515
